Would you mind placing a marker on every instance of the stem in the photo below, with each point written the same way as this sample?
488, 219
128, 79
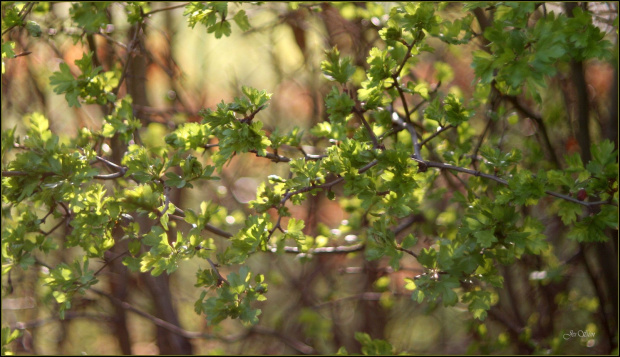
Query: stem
373, 137
165, 9
445, 128
180, 215
407, 122
326, 185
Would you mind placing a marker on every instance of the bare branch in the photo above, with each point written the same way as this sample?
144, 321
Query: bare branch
441, 130
165, 9
324, 250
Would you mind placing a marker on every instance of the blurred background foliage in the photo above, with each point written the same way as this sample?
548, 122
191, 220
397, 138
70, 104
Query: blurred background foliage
314, 305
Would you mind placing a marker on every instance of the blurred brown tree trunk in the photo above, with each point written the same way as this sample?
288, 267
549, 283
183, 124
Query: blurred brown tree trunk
159, 287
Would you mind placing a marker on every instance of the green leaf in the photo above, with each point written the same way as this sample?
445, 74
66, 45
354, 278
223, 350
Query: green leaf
409, 241
483, 66
241, 19
219, 29
375, 347
335, 68
295, 225
479, 303
33, 29
485, 238
65, 82
428, 257
90, 16
7, 51
175, 180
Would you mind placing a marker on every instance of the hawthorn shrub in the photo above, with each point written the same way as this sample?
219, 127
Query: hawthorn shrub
429, 178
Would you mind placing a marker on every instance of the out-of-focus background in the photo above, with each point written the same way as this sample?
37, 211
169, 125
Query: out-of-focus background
319, 302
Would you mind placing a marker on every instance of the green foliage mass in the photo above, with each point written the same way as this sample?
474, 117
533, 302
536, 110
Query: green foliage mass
384, 159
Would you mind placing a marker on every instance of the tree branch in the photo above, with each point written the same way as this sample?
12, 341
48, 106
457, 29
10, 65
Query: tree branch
324, 250
165, 9
441, 130
372, 135
539, 121
440, 165
325, 185
155, 320
22, 14
180, 215
296, 345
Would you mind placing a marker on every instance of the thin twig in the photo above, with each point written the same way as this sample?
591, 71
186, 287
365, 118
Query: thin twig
372, 135
53, 229
220, 278
157, 321
325, 185
407, 251
407, 122
296, 345
539, 121
441, 130
118, 43
107, 262
111, 164
130, 49
251, 116
207, 226
165, 9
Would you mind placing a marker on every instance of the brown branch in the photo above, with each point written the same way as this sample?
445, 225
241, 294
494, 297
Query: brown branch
155, 320
165, 9
220, 278
297, 345
250, 117
53, 229
408, 252
108, 262
372, 135
118, 43
15, 173
407, 55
